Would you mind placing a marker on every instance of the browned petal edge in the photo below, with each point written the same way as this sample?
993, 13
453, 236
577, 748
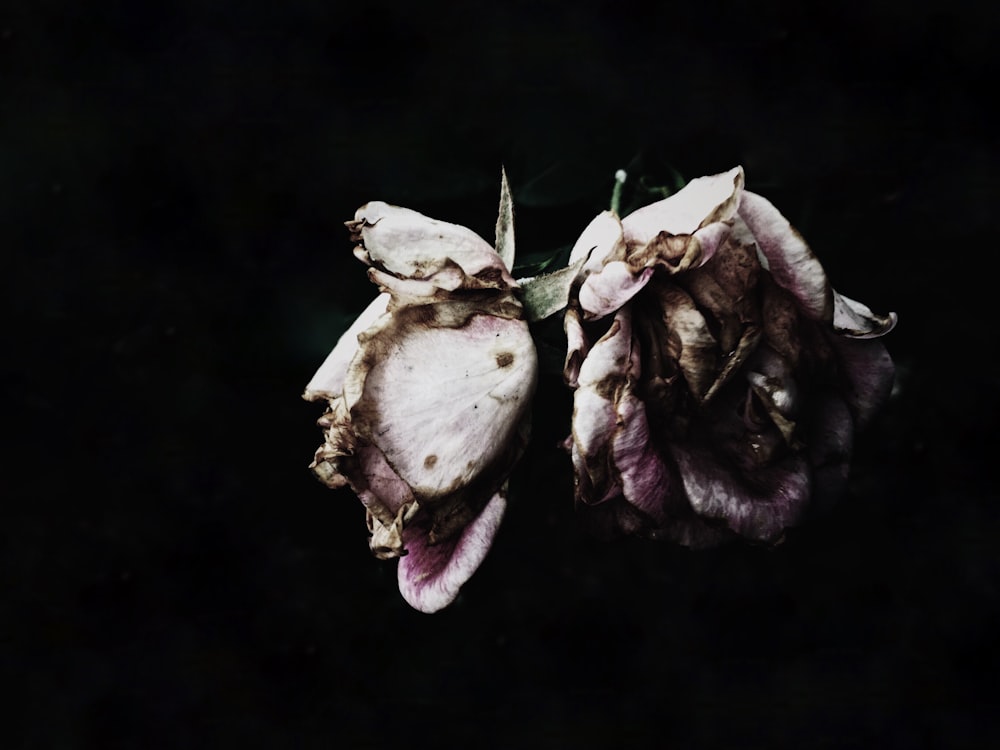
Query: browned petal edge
725, 210
674, 252
444, 272
354, 227
764, 310
454, 309
338, 444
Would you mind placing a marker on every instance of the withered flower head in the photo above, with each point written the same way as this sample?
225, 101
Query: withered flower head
428, 398
718, 376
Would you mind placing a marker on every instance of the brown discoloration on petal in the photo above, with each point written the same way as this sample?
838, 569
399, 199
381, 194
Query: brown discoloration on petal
785, 425
675, 253
703, 201
689, 340
490, 278
386, 540
780, 318
747, 357
736, 269
339, 445
429, 410
725, 210
790, 261
354, 229
726, 287
732, 362
577, 346
414, 343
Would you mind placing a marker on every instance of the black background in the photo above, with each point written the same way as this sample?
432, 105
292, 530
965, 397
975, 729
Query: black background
173, 182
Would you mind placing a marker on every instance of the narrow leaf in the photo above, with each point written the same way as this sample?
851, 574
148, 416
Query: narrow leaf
505, 223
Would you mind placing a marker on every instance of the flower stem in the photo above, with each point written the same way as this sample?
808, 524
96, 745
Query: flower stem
616, 194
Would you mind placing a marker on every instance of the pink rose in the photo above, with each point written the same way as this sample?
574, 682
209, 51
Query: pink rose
428, 398
718, 377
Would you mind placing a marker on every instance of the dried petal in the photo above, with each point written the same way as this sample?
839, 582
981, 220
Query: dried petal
851, 318
577, 347
329, 378
430, 575
408, 244
645, 478
722, 290
429, 396
603, 377
703, 201
689, 340
601, 242
606, 291
442, 403
787, 257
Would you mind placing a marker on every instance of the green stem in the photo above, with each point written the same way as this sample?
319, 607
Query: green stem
616, 194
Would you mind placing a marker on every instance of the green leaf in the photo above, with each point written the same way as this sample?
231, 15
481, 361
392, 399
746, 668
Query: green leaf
548, 294
505, 223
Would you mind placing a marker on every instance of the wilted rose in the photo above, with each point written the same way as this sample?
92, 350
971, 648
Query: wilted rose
429, 393
719, 378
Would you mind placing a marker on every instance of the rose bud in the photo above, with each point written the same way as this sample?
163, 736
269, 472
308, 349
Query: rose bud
718, 378
428, 398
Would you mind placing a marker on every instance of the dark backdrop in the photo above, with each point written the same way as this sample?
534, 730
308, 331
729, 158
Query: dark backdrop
173, 182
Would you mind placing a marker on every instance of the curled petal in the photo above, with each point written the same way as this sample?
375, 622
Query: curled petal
329, 378
853, 319
605, 291
432, 298
408, 244
576, 347
594, 425
645, 479
689, 339
339, 444
610, 358
430, 575
603, 377
600, 242
406, 291
787, 256
386, 540
710, 238
610, 431
677, 253
701, 202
